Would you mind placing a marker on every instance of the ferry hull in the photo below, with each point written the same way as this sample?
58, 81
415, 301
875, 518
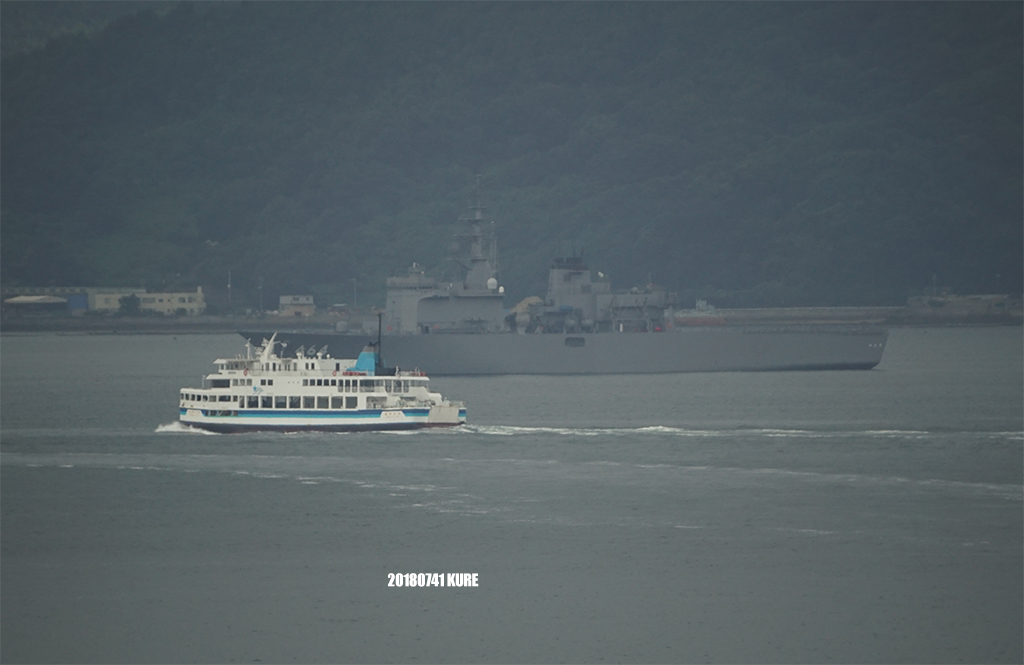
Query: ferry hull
697, 349
231, 422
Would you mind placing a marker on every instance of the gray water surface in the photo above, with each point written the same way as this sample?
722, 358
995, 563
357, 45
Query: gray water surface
779, 517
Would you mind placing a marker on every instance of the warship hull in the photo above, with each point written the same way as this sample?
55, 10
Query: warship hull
687, 349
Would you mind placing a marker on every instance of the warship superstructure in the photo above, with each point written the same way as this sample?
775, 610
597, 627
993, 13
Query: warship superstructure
582, 326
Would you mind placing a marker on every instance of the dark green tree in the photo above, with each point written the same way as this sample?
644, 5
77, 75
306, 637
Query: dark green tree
129, 305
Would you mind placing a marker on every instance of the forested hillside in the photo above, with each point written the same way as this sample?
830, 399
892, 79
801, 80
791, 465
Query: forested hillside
752, 153
26, 25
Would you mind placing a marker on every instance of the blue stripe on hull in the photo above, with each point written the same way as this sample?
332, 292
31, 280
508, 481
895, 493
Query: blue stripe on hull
299, 413
225, 428
351, 421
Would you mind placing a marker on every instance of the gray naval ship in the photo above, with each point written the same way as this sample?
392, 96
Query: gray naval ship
582, 326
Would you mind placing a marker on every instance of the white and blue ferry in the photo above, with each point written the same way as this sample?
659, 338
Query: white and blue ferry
313, 392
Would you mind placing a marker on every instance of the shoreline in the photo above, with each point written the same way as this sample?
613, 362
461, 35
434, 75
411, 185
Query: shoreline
212, 325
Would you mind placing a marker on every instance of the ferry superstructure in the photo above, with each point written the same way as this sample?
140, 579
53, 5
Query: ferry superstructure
262, 391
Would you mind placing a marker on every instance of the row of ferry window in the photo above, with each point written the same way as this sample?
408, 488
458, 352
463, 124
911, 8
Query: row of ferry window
284, 367
206, 398
293, 402
273, 367
225, 383
281, 401
364, 385
343, 385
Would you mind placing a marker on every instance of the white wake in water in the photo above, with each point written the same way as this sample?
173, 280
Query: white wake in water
178, 427
662, 430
